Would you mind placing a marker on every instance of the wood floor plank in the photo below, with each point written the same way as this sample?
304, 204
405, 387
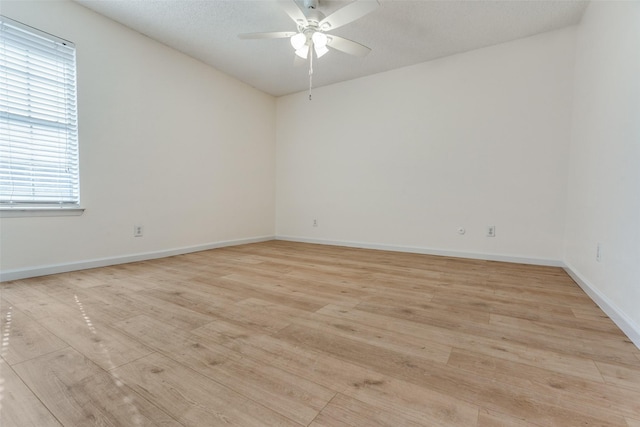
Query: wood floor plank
611, 347
359, 381
518, 352
278, 293
327, 284
403, 343
19, 407
202, 302
101, 343
153, 333
286, 393
48, 307
239, 287
79, 393
633, 423
510, 399
320, 368
589, 311
103, 302
25, 291
338, 291
417, 403
595, 400
624, 376
260, 320
345, 411
24, 338
506, 305
429, 313
171, 313
489, 418
290, 395
192, 398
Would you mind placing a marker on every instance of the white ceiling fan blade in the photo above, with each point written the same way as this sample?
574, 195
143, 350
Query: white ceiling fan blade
347, 46
293, 10
269, 35
347, 14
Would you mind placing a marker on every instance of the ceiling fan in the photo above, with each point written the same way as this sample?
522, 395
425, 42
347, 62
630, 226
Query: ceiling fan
313, 27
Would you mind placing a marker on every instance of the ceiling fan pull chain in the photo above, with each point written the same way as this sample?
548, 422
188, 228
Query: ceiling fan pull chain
310, 73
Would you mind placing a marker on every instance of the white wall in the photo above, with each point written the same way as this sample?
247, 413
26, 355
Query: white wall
604, 178
403, 158
165, 141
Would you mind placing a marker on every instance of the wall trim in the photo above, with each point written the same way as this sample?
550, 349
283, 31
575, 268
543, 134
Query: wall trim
429, 251
627, 325
105, 262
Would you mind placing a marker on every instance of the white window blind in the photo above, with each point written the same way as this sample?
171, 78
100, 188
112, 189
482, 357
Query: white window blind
38, 119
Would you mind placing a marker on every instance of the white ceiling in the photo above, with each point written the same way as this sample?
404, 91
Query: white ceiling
399, 32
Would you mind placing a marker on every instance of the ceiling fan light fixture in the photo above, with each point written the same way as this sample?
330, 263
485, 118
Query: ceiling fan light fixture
303, 52
320, 50
319, 39
298, 41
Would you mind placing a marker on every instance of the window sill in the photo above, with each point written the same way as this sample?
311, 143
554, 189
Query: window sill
19, 212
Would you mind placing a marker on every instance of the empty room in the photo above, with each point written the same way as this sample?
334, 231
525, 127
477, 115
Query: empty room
319, 213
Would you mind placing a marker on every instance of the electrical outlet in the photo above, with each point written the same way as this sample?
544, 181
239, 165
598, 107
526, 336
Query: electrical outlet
491, 231
137, 231
315, 222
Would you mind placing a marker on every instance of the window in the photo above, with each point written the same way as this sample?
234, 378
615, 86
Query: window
38, 119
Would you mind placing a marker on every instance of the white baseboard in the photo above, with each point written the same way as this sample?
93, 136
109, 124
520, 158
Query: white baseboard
429, 251
104, 262
627, 325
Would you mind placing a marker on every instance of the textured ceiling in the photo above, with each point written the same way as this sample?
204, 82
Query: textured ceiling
399, 32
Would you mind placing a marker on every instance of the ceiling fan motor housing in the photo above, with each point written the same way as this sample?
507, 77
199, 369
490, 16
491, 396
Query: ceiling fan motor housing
310, 4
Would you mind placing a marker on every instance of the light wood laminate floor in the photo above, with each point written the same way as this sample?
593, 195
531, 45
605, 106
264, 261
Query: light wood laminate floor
293, 334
